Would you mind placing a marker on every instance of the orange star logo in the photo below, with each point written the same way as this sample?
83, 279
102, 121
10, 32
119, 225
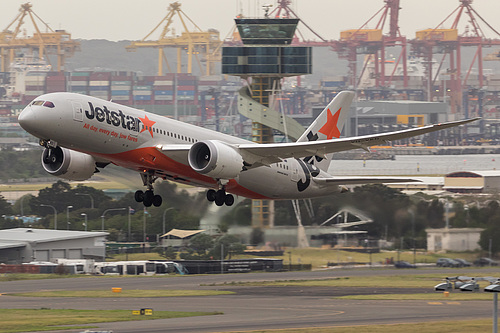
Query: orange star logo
148, 125
330, 129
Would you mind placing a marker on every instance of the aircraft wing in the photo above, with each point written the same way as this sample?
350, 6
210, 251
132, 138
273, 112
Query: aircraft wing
268, 153
275, 152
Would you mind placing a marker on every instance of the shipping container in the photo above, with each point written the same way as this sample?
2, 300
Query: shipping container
369, 35
163, 87
100, 76
120, 92
98, 88
163, 92
164, 98
163, 82
142, 97
186, 93
437, 34
143, 87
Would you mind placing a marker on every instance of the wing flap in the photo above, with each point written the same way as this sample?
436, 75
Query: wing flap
178, 152
361, 180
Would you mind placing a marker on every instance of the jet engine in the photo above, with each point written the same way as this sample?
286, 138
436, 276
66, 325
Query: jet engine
68, 164
215, 159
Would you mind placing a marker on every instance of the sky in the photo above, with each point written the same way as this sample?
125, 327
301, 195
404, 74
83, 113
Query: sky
133, 19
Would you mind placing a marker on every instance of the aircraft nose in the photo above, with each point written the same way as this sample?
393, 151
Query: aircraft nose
27, 119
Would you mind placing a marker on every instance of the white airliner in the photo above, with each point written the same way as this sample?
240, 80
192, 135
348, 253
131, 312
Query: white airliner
82, 133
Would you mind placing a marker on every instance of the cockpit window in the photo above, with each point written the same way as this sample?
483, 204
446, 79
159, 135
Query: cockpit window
47, 104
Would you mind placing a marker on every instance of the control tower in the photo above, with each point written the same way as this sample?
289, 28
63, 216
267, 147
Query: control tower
265, 58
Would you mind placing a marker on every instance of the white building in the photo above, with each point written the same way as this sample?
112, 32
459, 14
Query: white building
21, 245
453, 239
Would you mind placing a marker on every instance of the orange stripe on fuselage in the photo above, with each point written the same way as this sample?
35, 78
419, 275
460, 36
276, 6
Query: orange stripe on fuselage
150, 158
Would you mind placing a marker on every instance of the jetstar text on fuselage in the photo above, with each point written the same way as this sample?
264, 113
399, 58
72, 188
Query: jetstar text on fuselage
115, 118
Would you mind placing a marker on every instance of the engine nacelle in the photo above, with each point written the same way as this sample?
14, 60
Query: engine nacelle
215, 159
68, 164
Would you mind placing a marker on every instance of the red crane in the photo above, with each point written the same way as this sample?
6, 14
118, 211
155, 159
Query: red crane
374, 43
449, 43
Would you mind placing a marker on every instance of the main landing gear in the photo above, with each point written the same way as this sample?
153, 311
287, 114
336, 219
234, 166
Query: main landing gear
148, 197
220, 197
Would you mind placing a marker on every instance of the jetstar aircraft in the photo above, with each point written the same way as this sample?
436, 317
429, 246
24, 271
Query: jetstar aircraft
82, 133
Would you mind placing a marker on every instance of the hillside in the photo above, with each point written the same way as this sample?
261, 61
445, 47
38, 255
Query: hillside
99, 54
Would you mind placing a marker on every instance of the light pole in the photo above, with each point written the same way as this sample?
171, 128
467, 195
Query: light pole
495, 289
85, 215
67, 216
413, 235
128, 234
108, 210
55, 214
22, 205
91, 199
164, 212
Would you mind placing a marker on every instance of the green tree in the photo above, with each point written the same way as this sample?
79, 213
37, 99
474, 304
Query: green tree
229, 244
22, 205
5, 206
490, 234
201, 244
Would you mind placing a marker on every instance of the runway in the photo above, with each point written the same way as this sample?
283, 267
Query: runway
250, 308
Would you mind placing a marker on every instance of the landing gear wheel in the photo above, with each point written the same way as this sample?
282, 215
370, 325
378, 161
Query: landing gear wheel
157, 200
220, 197
148, 198
139, 196
229, 200
211, 195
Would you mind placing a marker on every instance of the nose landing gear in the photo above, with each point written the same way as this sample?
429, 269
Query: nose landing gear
148, 198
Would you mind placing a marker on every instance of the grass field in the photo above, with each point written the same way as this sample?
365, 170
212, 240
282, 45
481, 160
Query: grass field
29, 320
20, 276
469, 326
123, 293
392, 281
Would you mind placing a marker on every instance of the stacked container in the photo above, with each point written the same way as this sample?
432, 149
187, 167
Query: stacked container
187, 89
143, 90
494, 82
34, 84
56, 82
78, 82
163, 89
121, 88
99, 85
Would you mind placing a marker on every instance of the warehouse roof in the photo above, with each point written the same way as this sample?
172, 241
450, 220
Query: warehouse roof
44, 235
472, 174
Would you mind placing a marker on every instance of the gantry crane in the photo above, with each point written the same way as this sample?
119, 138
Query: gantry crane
206, 43
449, 43
373, 43
42, 44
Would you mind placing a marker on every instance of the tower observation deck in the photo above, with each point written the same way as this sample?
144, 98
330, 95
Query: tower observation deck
265, 58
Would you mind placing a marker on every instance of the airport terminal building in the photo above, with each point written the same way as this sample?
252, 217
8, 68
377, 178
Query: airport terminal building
22, 245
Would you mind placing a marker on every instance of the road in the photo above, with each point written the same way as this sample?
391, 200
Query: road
252, 308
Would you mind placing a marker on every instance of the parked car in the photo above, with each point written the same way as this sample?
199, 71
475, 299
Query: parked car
447, 262
404, 264
463, 262
485, 262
